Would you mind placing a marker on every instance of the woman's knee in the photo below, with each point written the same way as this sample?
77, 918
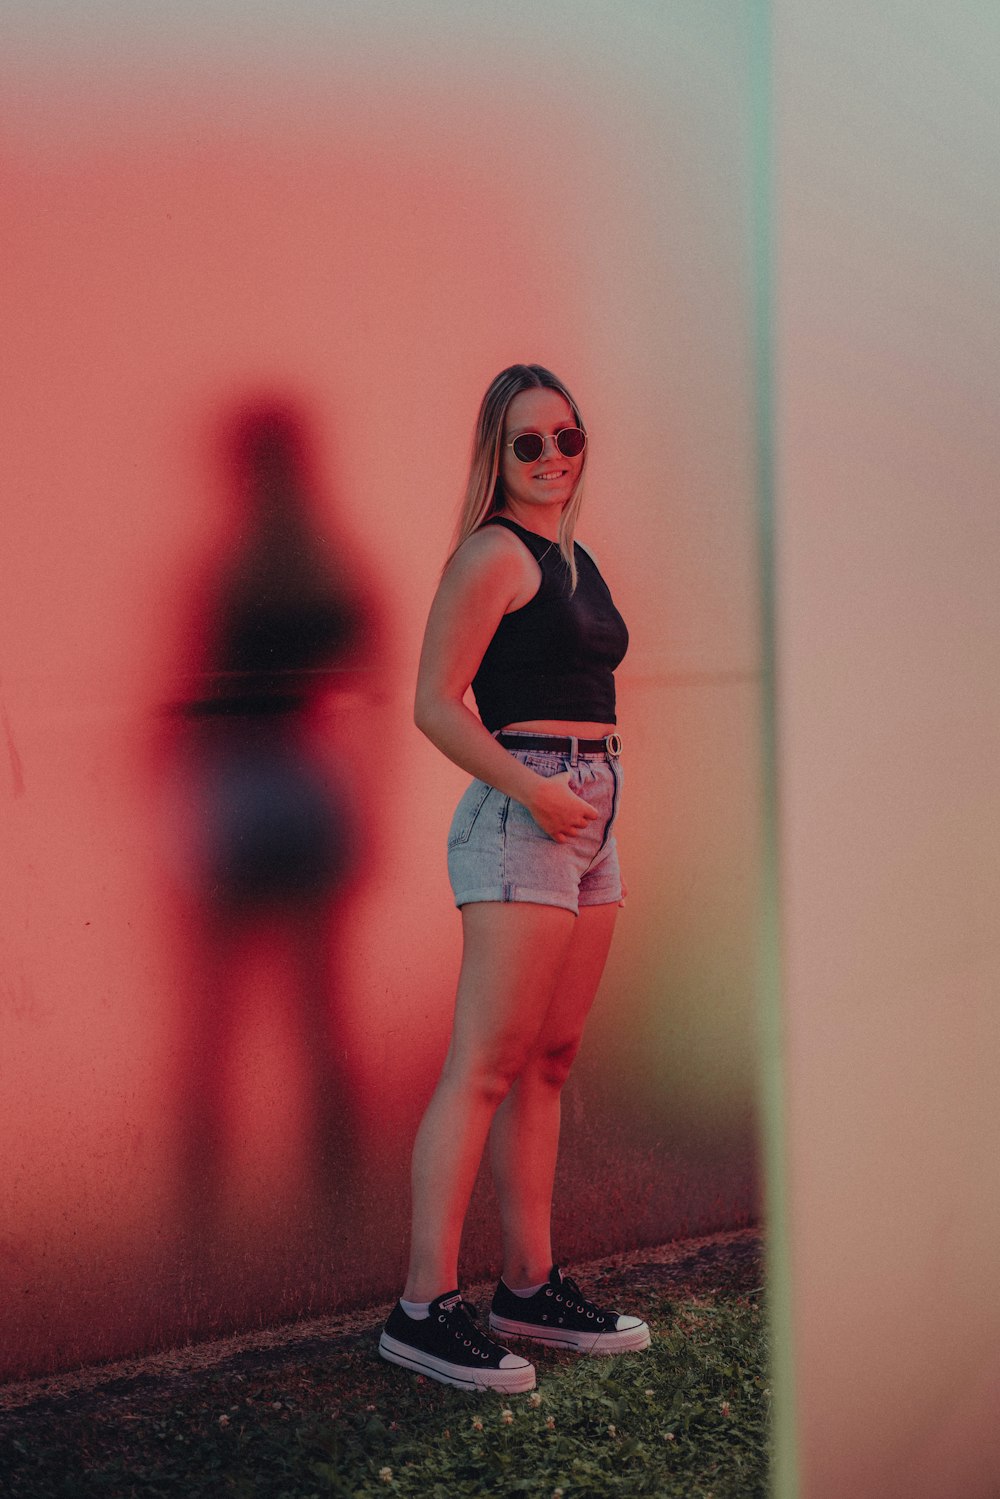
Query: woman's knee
488, 1075
550, 1065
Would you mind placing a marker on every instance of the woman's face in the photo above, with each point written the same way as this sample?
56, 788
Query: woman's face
551, 479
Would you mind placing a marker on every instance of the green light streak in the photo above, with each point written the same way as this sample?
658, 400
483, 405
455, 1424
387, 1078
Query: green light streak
784, 1477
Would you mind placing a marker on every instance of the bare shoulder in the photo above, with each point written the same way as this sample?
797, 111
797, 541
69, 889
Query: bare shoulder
491, 573
481, 582
492, 555
491, 542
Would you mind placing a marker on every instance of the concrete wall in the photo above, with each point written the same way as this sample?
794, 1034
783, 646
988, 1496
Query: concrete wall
370, 219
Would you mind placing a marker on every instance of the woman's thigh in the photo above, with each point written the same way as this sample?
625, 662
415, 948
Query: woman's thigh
512, 957
579, 978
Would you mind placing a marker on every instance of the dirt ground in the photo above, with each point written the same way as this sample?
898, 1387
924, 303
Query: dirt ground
723, 1265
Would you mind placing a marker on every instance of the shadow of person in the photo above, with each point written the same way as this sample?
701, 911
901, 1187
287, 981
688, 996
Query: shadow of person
273, 842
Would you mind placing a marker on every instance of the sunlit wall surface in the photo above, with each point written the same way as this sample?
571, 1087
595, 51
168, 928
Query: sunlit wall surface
888, 525
355, 216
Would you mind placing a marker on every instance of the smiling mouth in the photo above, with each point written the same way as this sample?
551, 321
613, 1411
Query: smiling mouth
548, 477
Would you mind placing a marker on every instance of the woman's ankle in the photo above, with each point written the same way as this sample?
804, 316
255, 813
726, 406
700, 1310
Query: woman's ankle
427, 1288
524, 1272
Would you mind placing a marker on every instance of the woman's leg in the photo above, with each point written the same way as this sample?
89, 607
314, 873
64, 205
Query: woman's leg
525, 1134
512, 955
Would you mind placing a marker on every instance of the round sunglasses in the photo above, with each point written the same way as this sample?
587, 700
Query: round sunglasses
529, 446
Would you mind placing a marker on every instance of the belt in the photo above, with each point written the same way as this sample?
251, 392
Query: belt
611, 746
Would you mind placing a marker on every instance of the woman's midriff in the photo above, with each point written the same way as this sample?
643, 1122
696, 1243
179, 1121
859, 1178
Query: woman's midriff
567, 728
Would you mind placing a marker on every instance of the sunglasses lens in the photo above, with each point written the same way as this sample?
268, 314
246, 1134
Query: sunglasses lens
570, 441
528, 447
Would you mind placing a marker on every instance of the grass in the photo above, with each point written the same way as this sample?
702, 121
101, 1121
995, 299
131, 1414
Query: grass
687, 1418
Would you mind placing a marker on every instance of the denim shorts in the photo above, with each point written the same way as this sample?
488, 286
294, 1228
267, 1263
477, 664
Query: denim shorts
497, 851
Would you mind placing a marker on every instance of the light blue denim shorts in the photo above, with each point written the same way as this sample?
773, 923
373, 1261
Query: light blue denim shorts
497, 851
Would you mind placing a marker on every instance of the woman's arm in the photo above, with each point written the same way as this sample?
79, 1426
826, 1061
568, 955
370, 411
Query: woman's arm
486, 577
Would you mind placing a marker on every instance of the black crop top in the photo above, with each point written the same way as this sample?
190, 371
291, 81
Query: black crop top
555, 657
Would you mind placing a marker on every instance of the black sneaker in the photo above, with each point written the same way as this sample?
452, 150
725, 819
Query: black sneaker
449, 1346
561, 1316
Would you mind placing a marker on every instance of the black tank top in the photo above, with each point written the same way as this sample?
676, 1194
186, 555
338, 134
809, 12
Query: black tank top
555, 657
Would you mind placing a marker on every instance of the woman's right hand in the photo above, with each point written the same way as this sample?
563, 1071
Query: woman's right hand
558, 810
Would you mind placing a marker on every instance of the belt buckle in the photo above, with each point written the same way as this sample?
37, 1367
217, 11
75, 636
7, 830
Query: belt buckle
614, 744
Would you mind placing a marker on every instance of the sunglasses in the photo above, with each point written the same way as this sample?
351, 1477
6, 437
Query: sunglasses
530, 446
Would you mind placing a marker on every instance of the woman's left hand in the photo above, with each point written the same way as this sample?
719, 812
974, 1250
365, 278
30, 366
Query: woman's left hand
624, 891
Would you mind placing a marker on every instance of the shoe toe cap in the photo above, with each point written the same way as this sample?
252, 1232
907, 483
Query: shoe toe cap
628, 1324
513, 1361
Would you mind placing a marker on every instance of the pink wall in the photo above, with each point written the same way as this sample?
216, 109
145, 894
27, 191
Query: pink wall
192, 220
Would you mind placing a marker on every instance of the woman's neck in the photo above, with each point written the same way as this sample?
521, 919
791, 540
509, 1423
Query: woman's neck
543, 520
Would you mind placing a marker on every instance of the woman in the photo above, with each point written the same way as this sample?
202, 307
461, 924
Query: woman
524, 617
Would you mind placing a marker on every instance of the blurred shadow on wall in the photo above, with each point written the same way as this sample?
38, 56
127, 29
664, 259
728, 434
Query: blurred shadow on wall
274, 840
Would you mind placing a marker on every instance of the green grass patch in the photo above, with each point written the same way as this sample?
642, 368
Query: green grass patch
688, 1418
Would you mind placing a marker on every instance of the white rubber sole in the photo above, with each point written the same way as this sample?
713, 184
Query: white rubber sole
628, 1340
507, 1381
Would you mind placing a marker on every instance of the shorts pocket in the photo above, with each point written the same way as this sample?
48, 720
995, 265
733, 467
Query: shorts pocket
468, 809
542, 764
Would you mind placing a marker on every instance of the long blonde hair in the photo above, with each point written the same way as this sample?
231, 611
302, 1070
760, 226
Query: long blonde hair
484, 494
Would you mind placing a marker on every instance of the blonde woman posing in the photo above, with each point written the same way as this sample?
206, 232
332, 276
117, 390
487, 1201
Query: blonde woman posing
524, 617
